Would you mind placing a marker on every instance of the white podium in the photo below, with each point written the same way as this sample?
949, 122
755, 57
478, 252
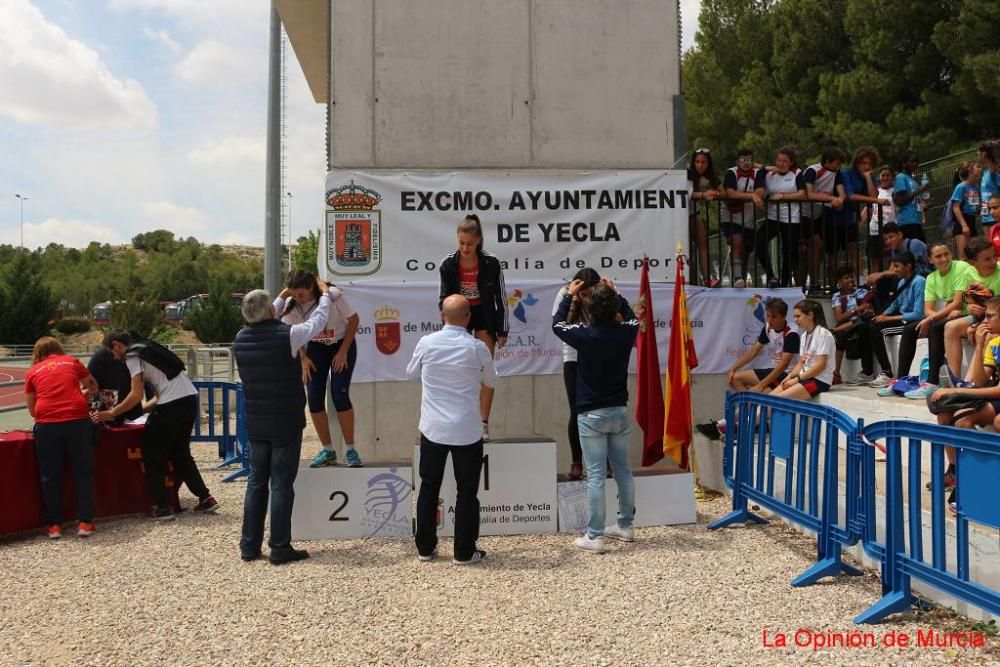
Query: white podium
349, 503
517, 491
663, 497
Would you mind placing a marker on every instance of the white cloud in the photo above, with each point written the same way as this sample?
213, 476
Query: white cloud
229, 151
163, 37
213, 62
690, 9
70, 233
48, 77
178, 219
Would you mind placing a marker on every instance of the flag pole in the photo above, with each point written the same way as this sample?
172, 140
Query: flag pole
700, 492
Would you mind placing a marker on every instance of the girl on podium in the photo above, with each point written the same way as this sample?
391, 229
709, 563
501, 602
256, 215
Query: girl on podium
478, 276
330, 355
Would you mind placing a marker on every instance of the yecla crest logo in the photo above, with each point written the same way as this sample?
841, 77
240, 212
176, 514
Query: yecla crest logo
387, 336
353, 231
386, 496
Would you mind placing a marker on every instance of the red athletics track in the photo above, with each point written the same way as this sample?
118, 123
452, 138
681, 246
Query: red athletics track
13, 395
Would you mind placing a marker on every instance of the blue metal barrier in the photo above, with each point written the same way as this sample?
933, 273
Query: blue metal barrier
232, 442
977, 471
804, 436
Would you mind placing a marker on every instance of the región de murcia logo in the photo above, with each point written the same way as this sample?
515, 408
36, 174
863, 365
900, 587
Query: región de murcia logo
353, 230
387, 336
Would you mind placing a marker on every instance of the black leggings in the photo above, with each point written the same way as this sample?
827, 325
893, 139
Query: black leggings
569, 379
789, 247
167, 437
935, 348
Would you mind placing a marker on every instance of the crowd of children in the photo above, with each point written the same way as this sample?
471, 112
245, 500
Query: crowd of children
817, 213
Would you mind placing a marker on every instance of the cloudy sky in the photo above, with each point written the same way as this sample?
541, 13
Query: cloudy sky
122, 116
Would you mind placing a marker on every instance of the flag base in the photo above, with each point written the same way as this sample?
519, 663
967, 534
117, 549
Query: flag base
702, 494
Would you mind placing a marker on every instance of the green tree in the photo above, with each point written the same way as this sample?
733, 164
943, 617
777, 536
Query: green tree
158, 240
218, 318
27, 306
306, 252
138, 310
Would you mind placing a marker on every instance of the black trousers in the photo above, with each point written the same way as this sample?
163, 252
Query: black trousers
168, 437
467, 461
53, 443
935, 348
569, 379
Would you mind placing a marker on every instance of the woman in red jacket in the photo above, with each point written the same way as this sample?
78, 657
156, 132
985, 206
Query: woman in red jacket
54, 389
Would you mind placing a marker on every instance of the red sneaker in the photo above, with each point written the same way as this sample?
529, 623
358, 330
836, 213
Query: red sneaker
86, 529
55, 532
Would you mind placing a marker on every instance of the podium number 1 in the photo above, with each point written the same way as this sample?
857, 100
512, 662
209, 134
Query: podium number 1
343, 496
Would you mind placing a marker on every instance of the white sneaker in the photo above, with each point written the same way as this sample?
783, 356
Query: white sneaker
587, 543
883, 380
862, 378
739, 283
615, 532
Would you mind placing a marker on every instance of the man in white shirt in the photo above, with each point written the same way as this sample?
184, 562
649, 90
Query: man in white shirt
167, 434
452, 365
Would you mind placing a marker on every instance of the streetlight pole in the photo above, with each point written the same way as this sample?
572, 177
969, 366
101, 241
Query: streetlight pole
23, 199
289, 195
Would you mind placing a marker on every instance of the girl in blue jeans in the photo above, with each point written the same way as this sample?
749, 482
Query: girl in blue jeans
603, 347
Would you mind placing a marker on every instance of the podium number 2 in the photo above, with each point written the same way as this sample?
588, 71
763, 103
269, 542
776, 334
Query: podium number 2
343, 504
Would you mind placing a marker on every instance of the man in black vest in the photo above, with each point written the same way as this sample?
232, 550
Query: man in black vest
267, 355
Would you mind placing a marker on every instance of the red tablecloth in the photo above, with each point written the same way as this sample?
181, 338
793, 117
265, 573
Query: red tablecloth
119, 479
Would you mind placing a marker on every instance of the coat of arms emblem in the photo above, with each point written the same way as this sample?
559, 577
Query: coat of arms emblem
353, 230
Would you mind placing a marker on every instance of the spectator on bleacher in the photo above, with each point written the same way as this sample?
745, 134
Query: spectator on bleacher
965, 205
329, 356
989, 184
876, 216
813, 374
774, 351
993, 206
167, 435
705, 186
861, 190
775, 348
894, 243
978, 284
737, 217
823, 183
942, 304
604, 347
577, 313
984, 374
268, 355
780, 186
54, 390
906, 308
853, 312
906, 192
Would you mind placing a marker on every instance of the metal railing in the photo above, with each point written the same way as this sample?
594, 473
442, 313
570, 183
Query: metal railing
786, 243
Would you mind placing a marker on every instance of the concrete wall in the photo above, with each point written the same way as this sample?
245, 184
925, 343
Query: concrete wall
388, 412
452, 84
503, 83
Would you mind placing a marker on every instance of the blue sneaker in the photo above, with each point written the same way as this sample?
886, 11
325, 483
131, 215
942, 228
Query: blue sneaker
324, 458
921, 392
352, 458
887, 391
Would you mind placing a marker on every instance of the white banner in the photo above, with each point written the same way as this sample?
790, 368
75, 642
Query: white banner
396, 226
725, 323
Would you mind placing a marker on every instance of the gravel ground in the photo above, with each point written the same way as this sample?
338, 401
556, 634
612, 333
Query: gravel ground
143, 593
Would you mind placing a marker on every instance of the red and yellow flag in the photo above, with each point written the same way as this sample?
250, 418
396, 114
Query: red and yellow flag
681, 358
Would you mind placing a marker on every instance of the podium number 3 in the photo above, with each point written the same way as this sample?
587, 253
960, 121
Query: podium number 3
343, 504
